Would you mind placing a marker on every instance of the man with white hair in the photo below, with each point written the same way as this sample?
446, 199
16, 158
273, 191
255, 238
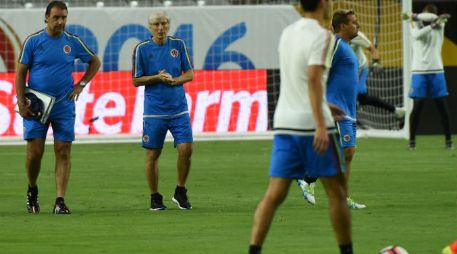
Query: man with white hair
162, 64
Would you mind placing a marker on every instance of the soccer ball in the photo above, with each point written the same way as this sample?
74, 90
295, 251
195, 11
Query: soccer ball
393, 250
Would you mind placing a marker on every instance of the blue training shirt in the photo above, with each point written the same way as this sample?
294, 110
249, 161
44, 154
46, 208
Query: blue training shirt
51, 61
343, 78
149, 58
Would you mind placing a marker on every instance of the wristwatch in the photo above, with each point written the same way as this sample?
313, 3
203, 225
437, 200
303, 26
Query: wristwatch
82, 83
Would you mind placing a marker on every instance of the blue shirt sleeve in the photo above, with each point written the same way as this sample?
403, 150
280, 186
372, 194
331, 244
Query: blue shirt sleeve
26, 56
137, 68
186, 64
82, 50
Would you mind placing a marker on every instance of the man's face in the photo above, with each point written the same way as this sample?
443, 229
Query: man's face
351, 29
56, 20
159, 27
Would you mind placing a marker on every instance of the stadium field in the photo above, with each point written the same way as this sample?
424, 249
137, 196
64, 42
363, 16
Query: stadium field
411, 198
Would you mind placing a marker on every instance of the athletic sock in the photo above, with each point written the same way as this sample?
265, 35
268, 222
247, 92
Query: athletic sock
255, 249
310, 180
346, 249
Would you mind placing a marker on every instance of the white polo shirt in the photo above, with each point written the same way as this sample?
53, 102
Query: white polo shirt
302, 44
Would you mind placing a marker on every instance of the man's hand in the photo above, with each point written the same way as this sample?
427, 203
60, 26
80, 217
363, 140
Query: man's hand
76, 92
441, 20
409, 16
337, 113
165, 77
24, 109
406, 15
320, 142
376, 66
176, 82
444, 16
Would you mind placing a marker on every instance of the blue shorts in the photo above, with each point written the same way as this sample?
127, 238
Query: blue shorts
348, 132
425, 85
62, 120
294, 157
362, 88
155, 130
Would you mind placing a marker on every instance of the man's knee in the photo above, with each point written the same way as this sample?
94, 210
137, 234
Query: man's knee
35, 150
335, 187
62, 150
185, 150
153, 154
349, 154
276, 196
35, 154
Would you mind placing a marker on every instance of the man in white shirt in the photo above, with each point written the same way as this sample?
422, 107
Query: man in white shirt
306, 140
427, 72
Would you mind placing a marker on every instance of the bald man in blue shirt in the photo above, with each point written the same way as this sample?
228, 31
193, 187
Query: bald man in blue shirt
48, 56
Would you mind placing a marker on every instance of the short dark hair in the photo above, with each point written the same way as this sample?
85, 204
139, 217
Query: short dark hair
59, 4
431, 8
340, 17
309, 5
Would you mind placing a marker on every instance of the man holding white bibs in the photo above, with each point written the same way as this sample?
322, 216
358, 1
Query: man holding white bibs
48, 56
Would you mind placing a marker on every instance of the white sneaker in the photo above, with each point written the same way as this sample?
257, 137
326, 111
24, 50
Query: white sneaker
308, 191
353, 205
400, 112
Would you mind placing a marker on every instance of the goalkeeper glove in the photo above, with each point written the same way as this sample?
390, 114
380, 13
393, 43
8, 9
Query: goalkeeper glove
376, 66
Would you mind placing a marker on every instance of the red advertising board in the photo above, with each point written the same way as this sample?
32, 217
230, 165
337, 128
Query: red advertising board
219, 101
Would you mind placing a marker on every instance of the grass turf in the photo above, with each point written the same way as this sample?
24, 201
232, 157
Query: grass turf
411, 198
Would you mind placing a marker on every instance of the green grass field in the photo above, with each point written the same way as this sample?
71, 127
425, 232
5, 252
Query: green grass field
411, 198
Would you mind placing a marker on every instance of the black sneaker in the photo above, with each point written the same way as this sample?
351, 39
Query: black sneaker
412, 145
180, 198
60, 207
32, 200
449, 145
157, 202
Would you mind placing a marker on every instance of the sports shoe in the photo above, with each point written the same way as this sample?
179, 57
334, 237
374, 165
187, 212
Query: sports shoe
157, 202
449, 145
180, 198
60, 207
32, 200
400, 112
308, 191
353, 205
412, 145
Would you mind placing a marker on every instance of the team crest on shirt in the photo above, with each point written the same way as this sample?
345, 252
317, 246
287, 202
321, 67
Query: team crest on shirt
67, 49
347, 138
145, 138
174, 53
